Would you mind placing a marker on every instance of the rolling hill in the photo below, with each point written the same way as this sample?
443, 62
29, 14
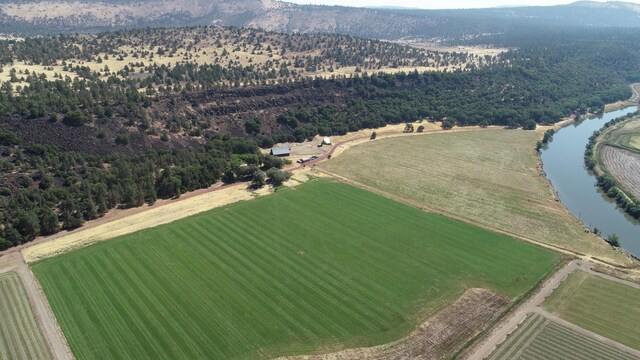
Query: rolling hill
31, 17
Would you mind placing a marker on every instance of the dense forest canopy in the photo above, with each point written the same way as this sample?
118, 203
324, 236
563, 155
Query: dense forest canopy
72, 148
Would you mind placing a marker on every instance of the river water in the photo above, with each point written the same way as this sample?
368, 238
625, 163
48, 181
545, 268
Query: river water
563, 163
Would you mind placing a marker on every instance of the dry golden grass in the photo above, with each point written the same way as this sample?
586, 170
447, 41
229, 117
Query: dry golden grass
490, 177
163, 212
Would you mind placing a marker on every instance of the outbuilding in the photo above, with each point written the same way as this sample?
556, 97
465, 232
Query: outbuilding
280, 151
326, 141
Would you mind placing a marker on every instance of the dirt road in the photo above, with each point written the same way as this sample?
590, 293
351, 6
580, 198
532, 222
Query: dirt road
532, 305
636, 92
44, 316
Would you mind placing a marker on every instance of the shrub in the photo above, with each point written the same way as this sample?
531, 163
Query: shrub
122, 139
75, 118
8, 138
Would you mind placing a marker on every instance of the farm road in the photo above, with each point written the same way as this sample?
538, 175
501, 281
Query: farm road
532, 305
44, 316
636, 92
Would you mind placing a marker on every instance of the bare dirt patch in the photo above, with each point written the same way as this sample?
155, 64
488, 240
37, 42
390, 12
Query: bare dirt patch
441, 335
624, 166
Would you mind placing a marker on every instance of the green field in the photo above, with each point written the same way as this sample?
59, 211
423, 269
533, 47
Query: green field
314, 268
625, 135
491, 177
20, 336
599, 305
538, 338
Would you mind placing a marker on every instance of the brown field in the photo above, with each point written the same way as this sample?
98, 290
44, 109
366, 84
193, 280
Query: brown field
492, 178
624, 166
441, 335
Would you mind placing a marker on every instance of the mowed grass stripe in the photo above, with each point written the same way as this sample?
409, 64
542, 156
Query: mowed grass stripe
515, 342
599, 305
20, 335
321, 266
539, 338
21, 329
584, 346
557, 341
26, 322
306, 274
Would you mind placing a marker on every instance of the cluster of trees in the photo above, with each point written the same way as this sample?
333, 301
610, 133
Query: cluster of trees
605, 181
548, 136
44, 190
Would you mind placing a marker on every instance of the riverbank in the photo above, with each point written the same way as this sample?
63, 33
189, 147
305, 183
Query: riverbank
563, 164
614, 158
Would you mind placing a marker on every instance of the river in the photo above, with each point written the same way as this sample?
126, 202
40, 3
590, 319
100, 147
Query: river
563, 163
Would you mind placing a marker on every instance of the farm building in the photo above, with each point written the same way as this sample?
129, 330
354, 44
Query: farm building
280, 151
326, 141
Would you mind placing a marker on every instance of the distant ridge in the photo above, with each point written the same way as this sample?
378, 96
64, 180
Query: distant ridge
38, 17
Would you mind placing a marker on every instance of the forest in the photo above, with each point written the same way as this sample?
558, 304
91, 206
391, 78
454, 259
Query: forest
71, 149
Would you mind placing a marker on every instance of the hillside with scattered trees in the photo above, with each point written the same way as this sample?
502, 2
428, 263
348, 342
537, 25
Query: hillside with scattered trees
76, 146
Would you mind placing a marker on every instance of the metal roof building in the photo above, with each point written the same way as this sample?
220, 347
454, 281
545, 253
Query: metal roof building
280, 151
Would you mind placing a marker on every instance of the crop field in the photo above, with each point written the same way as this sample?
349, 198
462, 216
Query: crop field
491, 177
316, 268
20, 336
605, 307
624, 166
538, 338
625, 135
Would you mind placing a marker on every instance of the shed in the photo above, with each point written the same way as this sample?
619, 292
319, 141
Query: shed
326, 141
280, 151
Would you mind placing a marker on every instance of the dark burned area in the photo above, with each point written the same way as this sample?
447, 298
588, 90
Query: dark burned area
225, 110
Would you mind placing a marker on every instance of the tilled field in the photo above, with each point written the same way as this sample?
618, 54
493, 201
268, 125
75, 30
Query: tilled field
539, 338
624, 166
20, 336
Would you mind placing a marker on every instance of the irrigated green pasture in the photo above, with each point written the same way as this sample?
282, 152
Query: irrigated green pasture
318, 267
20, 336
538, 338
603, 306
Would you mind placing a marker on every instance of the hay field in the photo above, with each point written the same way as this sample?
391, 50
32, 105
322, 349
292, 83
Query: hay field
603, 306
20, 336
490, 177
538, 338
315, 268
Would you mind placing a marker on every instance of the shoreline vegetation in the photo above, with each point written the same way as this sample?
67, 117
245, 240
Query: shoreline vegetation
605, 180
